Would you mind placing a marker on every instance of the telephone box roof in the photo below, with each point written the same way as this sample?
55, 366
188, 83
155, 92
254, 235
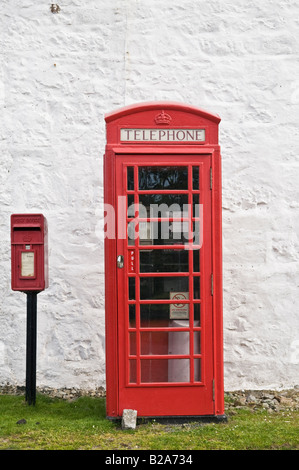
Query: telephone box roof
169, 105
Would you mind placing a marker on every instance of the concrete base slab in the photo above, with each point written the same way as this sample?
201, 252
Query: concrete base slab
129, 419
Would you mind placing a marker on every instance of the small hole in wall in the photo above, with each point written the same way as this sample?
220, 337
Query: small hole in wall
54, 8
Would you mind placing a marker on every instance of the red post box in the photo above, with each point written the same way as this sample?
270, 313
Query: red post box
29, 252
163, 262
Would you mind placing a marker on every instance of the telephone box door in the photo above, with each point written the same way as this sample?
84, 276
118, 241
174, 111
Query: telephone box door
164, 266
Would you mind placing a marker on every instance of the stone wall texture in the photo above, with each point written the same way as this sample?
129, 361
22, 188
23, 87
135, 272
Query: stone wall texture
60, 72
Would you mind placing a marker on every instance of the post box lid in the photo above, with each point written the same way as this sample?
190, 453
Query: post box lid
25, 222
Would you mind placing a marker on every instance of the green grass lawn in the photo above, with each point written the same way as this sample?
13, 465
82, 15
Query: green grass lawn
55, 424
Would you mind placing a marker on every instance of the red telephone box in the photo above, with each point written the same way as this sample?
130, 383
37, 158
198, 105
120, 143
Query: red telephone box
163, 262
29, 252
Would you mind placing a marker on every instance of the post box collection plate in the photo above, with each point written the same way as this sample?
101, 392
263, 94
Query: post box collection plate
27, 264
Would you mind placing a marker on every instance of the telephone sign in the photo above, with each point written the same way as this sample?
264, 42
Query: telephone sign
163, 278
162, 135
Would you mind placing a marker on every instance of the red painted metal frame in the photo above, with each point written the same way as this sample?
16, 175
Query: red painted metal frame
141, 116
196, 398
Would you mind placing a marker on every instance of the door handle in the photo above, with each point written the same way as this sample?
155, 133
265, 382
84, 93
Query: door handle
120, 261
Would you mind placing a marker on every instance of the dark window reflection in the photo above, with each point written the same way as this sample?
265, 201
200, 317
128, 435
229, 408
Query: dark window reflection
130, 178
196, 205
196, 287
130, 206
195, 177
164, 261
131, 288
196, 254
154, 315
132, 316
197, 370
161, 287
159, 315
164, 205
196, 314
173, 177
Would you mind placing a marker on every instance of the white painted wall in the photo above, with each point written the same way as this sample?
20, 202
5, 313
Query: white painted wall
59, 74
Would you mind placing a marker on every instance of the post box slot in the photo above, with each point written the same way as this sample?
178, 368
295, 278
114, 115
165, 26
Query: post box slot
24, 235
23, 228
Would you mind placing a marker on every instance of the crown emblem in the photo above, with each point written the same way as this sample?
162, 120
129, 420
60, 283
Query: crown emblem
163, 118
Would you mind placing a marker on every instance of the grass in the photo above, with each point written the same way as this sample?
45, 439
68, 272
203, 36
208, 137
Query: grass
56, 424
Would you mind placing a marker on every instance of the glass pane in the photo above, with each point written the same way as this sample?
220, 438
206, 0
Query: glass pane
162, 287
131, 233
132, 336
130, 206
155, 177
196, 255
197, 347
132, 316
196, 314
196, 287
146, 233
163, 233
163, 205
131, 288
195, 178
156, 261
154, 342
154, 315
178, 342
195, 205
159, 233
165, 370
197, 234
178, 370
164, 342
130, 178
133, 370
197, 370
